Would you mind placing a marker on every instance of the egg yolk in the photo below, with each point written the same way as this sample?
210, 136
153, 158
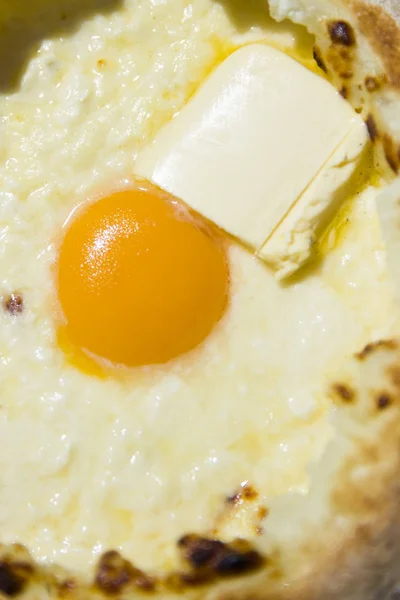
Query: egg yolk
140, 280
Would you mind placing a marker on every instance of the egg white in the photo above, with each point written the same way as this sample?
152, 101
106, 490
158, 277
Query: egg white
90, 464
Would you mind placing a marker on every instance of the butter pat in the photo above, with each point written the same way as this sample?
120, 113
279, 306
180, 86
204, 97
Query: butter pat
290, 244
249, 144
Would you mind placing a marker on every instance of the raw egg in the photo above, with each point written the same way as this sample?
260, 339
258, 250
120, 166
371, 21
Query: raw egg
140, 280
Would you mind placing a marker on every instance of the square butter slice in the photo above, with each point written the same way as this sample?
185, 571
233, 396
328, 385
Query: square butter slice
290, 244
250, 142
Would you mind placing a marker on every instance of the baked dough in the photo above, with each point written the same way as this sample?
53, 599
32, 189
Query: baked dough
341, 540
357, 43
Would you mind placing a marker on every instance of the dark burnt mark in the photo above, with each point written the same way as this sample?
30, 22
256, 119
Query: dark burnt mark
114, 573
346, 74
319, 60
263, 512
211, 558
344, 392
234, 499
14, 304
200, 551
236, 563
10, 585
344, 92
391, 153
383, 401
341, 33
249, 493
391, 162
67, 587
372, 127
13, 577
371, 83
22, 568
341, 60
193, 579
375, 346
345, 54
145, 582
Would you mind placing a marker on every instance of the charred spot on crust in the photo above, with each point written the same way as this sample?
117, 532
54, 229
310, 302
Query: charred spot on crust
67, 586
10, 585
210, 558
341, 33
371, 83
341, 60
344, 92
235, 563
114, 573
319, 60
345, 54
145, 582
383, 401
246, 493
193, 579
372, 127
391, 155
13, 577
263, 512
375, 346
200, 551
234, 499
344, 392
14, 304
249, 493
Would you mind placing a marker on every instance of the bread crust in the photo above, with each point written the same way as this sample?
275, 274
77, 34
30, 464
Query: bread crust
383, 34
363, 63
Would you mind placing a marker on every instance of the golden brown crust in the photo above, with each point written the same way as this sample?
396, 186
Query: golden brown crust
358, 44
383, 34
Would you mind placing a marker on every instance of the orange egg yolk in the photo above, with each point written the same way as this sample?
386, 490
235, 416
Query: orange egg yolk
140, 281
